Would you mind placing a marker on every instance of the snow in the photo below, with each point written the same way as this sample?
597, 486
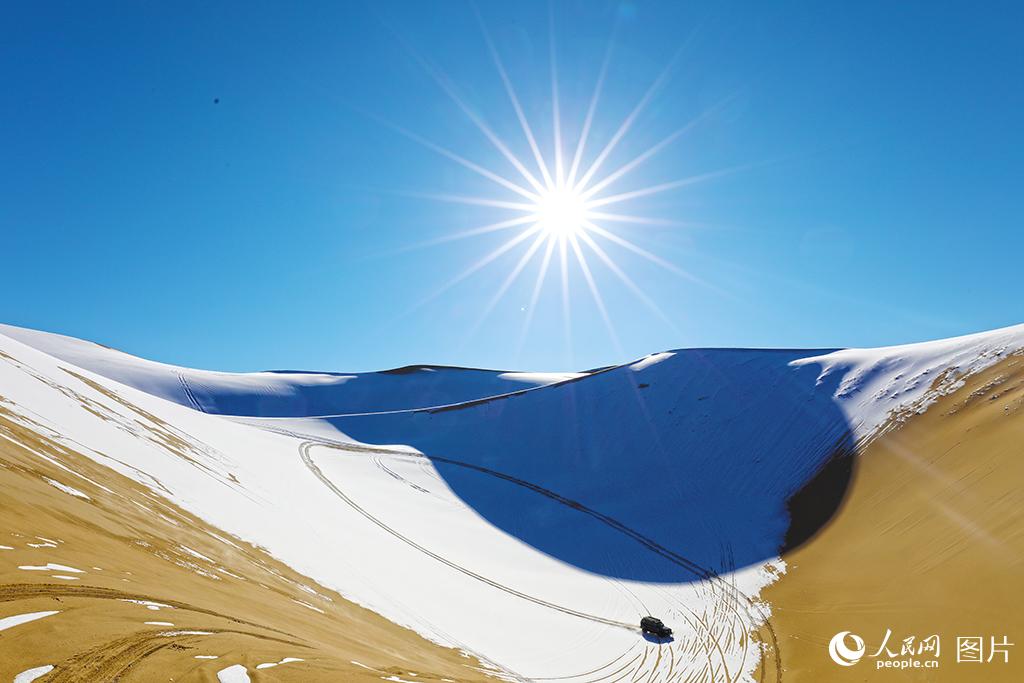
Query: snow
650, 360
51, 566
66, 489
148, 604
236, 673
195, 553
876, 383
159, 623
307, 605
30, 675
412, 496
286, 660
284, 394
18, 619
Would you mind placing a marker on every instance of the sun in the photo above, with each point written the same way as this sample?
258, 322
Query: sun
562, 206
561, 212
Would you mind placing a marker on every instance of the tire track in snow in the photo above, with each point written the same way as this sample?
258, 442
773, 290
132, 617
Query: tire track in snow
188, 393
732, 593
312, 466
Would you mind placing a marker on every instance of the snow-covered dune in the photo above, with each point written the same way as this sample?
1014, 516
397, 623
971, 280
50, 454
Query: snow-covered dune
284, 394
532, 528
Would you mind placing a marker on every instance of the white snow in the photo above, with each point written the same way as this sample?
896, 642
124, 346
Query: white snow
650, 360
148, 604
66, 489
512, 516
236, 673
159, 623
196, 554
18, 619
30, 675
308, 606
284, 393
51, 566
877, 383
286, 660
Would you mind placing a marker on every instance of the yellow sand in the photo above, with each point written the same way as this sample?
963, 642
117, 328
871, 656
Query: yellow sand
132, 544
929, 541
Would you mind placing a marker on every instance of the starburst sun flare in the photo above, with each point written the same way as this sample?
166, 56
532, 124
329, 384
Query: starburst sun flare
561, 212
561, 205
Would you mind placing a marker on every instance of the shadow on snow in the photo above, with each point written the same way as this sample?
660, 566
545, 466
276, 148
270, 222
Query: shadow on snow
701, 453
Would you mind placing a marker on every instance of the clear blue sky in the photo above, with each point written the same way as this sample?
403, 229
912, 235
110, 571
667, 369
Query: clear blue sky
876, 198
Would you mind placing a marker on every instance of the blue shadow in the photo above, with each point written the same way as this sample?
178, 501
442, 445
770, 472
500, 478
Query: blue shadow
706, 461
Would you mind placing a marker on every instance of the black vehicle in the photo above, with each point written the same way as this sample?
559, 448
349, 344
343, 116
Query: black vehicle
655, 627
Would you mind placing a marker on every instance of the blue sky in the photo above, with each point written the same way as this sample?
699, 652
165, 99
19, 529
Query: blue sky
222, 186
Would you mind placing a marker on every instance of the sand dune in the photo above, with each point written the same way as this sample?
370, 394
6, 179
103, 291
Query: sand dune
929, 541
521, 527
157, 594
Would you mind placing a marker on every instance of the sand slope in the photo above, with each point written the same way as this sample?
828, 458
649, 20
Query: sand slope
108, 555
531, 529
930, 540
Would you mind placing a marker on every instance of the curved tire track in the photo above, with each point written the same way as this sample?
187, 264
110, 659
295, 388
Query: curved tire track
312, 466
734, 597
112, 660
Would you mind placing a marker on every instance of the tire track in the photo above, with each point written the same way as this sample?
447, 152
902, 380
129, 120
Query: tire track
733, 597
112, 660
188, 393
304, 449
25, 591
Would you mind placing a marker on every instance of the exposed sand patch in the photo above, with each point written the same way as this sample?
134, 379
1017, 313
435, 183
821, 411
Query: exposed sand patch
232, 604
930, 540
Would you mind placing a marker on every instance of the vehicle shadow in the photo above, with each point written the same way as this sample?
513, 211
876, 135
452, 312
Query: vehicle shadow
658, 640
682, 464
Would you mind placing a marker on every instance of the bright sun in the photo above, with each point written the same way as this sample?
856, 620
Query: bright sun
561, 212
564, 202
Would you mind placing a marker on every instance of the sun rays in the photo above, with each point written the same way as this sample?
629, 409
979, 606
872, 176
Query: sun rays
562, 203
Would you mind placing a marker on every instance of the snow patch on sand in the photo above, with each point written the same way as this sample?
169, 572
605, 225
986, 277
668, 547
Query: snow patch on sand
66, 489
236, 673
49, 567
877, 384
286, 660
390, 546
18, 619
30, 675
